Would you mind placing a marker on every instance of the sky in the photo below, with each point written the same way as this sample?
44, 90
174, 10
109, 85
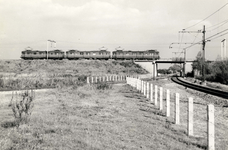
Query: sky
132, 24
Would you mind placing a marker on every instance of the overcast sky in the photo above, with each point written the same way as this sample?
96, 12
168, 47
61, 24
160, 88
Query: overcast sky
91, 24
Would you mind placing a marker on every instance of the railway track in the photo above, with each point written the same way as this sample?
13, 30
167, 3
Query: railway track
204, 89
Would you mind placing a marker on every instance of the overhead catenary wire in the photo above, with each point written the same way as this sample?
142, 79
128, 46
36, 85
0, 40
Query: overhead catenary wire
218, 25
207, 17
219, 36
208, 38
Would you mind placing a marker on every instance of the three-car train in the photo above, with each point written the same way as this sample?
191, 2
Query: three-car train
118, 54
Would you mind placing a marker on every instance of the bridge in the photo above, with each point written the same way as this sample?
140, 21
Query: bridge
152, 65
168, 60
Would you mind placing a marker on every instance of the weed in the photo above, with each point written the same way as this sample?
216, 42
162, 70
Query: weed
103, 86
21, 105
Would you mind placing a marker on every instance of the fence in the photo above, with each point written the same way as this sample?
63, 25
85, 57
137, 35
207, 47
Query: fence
150, 91
107, 78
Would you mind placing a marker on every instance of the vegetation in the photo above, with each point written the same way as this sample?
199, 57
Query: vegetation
172, 69
69, 68
216, 71
21, 105
36, 74
75, 115
91, 118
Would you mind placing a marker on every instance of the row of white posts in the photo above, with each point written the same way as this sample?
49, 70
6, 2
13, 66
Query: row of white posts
148, 90
110, 78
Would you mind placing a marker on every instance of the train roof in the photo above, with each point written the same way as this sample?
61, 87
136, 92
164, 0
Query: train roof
57, 50
73, 50
33, 51
96, 51
150, 51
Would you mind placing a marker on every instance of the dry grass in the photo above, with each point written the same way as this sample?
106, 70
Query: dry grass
87, 118
200, 113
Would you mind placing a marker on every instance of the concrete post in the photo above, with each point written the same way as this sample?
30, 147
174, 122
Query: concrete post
151, 92
161, 98
144, 88
156, 95
147, 90
140, 85
154, 70
190, 116
177, 109
103, 78
167, 103
210, 127
87, 79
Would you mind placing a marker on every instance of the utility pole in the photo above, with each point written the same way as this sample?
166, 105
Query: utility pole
203, 48
184, 66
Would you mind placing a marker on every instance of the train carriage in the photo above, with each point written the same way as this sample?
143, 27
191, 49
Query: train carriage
139, 55
74, 54
56, 54
100, 54
29, 53
151, 55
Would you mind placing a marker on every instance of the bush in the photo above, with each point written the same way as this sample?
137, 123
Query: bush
103, 86
21, 105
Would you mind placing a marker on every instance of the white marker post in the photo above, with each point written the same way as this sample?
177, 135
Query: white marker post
156, 95
161, 98
147, 90
144, 89
167, 103
190, 116
177, 109
151, 92
87, 80
210, 127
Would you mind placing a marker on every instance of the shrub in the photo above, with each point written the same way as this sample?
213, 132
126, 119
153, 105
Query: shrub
21, 105
103, 86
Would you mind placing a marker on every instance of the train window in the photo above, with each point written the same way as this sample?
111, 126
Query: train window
81, 53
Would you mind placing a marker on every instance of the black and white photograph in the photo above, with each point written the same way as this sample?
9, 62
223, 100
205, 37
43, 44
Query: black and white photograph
113, 75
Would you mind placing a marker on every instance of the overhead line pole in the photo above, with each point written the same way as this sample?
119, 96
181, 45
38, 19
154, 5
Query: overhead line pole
203, 48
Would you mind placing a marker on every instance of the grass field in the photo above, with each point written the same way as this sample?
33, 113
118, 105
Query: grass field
88, 117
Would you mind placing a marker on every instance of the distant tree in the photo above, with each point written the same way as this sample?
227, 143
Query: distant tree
175, 68
219, 71
164, 71
198, 64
